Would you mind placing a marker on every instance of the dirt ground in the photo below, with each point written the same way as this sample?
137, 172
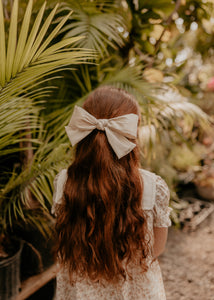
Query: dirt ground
188, 263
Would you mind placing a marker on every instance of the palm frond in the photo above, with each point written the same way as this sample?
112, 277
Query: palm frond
38, 180
2, 47
11, 48
100, 23
17, 114
22, 37
31, 58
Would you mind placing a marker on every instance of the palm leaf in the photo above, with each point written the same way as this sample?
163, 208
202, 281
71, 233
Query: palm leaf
31, 38
99, 22
2, 47
11, 48
40, 37
32, 55
22, 37
15, 113
38, 180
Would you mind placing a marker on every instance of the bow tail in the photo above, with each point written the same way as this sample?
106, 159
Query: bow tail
120, 144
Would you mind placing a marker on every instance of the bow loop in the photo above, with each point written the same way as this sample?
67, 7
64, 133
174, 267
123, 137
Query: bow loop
117, 130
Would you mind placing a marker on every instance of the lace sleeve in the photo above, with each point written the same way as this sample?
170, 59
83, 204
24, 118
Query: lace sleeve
59, 182
161, 209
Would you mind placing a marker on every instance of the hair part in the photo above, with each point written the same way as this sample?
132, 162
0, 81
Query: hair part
100, 223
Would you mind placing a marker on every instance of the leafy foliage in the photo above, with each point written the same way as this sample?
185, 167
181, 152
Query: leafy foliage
100, 22
28, 59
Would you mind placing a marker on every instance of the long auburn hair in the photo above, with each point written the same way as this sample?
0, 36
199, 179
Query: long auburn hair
100, 225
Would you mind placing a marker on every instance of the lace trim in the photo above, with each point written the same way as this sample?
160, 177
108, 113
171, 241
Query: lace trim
161, 210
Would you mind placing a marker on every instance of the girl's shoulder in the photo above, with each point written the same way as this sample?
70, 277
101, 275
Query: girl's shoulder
153, 185
156, 197
149, 189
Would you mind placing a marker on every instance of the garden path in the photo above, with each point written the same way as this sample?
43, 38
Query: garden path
188, 263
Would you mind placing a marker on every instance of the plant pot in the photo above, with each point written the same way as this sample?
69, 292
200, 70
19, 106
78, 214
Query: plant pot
10, 274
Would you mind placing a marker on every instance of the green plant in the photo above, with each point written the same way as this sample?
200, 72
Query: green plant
30, 55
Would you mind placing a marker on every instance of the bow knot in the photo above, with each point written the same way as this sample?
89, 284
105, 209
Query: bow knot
102, 124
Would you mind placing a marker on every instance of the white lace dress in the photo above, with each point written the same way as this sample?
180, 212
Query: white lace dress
143, 285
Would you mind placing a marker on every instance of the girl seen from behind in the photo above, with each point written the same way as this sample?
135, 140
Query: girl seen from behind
111, 216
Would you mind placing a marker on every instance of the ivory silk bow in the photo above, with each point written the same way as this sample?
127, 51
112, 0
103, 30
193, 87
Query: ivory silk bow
117, 129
